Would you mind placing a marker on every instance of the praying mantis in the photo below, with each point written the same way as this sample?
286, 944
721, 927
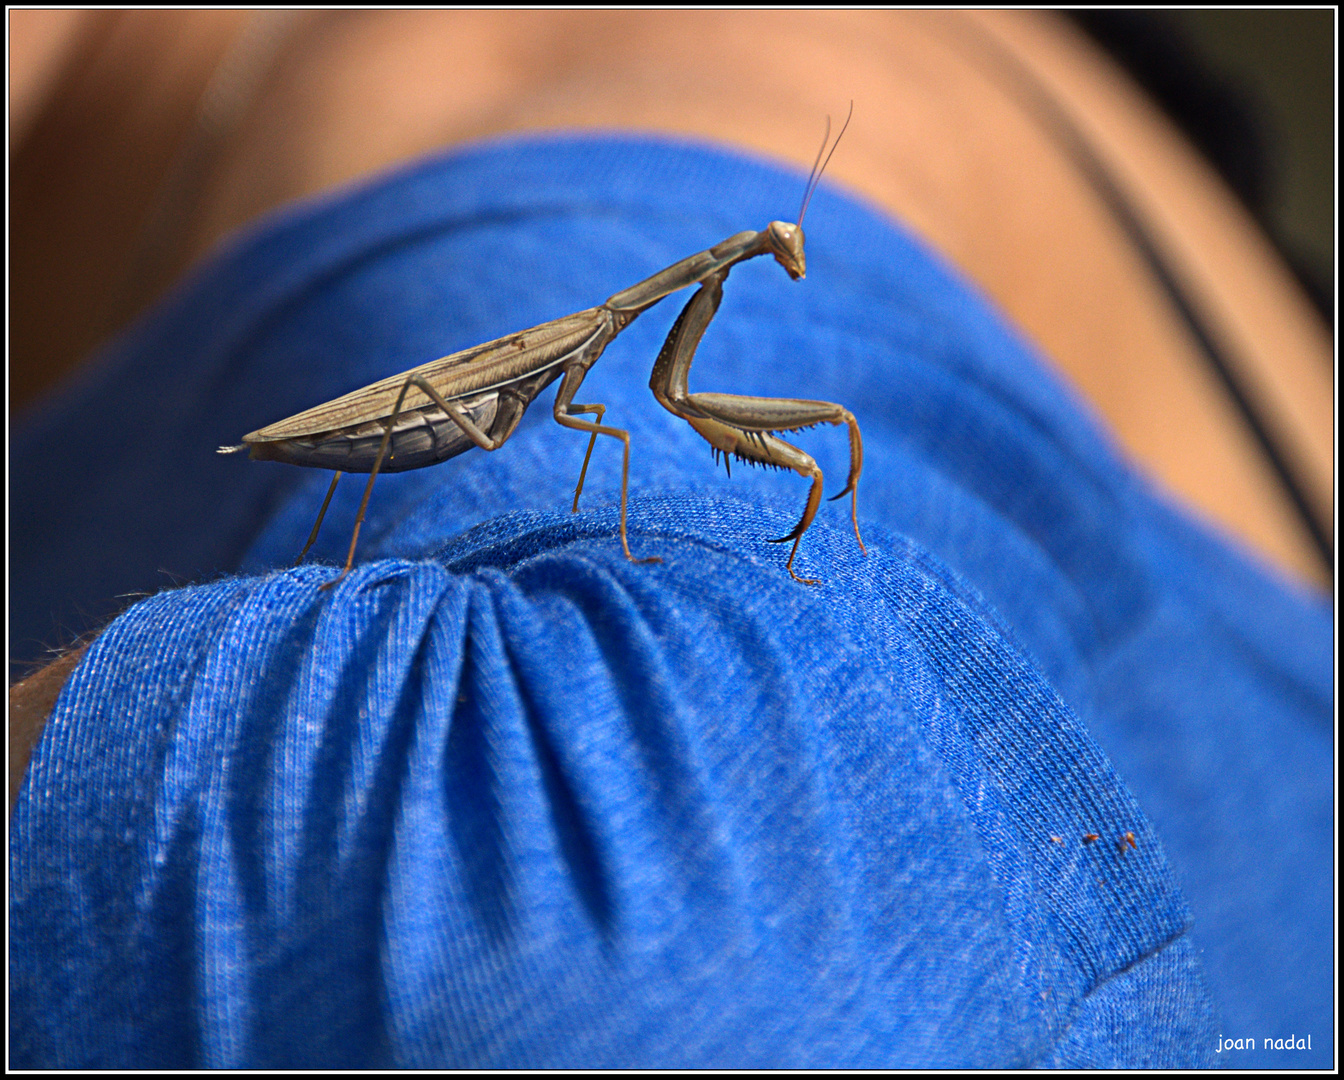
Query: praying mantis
477, 397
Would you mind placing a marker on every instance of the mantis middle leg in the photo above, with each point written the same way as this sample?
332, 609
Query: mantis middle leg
565, 415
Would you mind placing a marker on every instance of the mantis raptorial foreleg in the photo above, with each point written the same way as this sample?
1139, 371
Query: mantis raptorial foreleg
745, 426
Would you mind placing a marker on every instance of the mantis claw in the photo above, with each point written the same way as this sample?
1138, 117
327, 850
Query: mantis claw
334, 581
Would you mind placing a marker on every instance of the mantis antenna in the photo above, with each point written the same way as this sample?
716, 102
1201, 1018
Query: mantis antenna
814, 177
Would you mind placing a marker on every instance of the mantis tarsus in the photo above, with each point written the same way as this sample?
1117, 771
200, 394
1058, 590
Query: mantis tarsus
476, 397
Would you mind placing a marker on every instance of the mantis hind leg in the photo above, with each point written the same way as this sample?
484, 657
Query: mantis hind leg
312, 536
454, 411
368, 489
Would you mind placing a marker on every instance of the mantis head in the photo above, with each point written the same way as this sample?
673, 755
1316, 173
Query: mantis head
785, 241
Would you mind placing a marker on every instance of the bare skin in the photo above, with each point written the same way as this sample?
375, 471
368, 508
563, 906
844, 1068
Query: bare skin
951, 150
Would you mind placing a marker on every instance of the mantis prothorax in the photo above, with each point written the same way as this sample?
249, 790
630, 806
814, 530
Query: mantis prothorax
476, 397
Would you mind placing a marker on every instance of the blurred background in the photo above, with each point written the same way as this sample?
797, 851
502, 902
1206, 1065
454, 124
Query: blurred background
1254, 90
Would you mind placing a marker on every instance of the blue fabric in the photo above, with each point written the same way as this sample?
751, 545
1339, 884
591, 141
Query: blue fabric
504, 798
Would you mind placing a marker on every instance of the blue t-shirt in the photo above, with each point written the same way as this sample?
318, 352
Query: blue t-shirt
504, 798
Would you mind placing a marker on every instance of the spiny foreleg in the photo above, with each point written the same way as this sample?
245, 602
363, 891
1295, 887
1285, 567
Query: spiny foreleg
765, 449
757, 418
